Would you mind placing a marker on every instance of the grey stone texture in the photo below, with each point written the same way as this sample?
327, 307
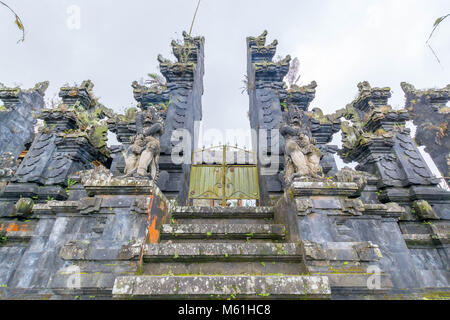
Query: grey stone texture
78, 247
207, 287
18, 116
429, 112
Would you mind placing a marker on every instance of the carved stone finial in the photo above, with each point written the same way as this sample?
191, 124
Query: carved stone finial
259, 41
87, 85
41, 86
407, 88
161, 59
286, 60
365, 85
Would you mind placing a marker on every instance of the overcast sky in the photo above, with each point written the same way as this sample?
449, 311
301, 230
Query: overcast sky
339, 43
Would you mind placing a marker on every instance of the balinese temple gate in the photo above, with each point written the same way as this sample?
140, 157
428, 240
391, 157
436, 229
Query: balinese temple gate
81, 219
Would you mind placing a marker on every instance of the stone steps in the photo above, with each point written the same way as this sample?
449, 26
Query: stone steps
222, 287
212, 253
211, 232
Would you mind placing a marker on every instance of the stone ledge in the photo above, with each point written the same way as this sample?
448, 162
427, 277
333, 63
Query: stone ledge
358, 282
328, 188
388, 210
213, 287
106, 250
223, 212
222, 231
52, 207
342, 251
181, 252
70, 283
119, 186
418, 239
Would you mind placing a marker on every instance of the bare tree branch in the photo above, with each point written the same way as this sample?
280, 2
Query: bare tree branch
195, 15
435, 25
18, 22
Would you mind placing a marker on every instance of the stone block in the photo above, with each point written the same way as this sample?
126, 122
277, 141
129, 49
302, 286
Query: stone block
194, 287
424, 211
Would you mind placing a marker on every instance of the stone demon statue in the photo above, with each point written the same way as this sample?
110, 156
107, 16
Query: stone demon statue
142, 157
302, 157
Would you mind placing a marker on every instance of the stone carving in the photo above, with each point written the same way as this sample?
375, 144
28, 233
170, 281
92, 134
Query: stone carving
349, 175
142, 157
302, 156
261, 51
73, 137
23, 208
378, 139
99, 173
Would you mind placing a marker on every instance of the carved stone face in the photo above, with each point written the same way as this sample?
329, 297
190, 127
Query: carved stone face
148, 116
295, 116
303, 139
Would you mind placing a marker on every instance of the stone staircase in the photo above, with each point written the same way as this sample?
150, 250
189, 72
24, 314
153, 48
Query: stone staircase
222, 253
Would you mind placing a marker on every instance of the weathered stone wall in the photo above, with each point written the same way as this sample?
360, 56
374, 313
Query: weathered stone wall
76, 248
349, 238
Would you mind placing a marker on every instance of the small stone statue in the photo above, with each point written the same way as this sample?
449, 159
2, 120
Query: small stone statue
302, 156
142, 157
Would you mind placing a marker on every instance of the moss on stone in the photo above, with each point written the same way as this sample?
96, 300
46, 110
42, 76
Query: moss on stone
23, 208
436, 296
3, 238
423, 210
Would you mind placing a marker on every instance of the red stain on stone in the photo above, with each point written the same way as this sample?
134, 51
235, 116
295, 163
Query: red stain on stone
14, 227
153, 233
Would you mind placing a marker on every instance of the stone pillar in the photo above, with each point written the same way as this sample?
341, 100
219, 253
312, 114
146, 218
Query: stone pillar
272, 104
179, 104
18, 117
429, 112
264, 84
